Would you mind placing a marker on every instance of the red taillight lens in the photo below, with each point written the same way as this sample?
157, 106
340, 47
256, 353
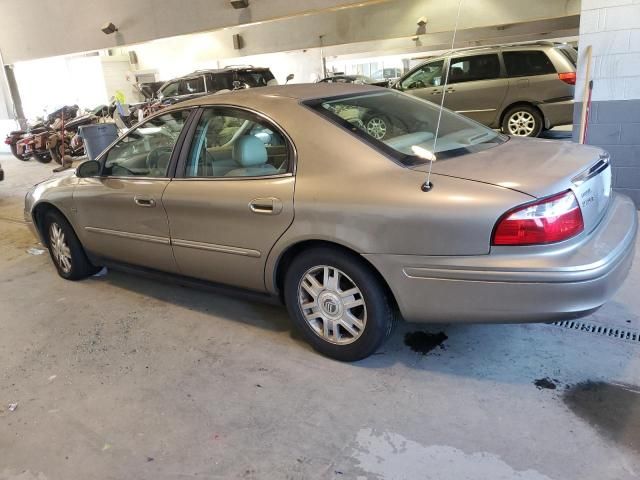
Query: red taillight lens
8, 140
569, 77
549, 220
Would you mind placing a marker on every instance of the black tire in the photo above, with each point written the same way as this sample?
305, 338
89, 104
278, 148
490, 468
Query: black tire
79, 265
530, 123
378, 307
378, 126
14, 151
42, 157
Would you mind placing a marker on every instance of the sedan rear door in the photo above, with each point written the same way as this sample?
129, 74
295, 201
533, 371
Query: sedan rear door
232, 197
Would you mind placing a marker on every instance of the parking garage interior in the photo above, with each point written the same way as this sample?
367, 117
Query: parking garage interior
189, 367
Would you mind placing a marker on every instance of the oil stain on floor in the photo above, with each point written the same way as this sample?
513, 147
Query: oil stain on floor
614, 409
424, 342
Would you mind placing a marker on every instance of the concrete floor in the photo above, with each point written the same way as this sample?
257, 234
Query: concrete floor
118, 377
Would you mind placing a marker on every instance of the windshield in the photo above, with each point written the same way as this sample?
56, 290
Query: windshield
404, 126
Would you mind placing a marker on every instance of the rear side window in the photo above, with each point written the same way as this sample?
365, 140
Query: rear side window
525, 63
475, 67
256, 78
192, 85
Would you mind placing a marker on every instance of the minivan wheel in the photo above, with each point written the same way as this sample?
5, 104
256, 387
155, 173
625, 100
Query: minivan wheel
523, 121
65, 249
338, 304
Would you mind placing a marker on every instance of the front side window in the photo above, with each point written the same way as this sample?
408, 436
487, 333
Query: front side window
171, 90
428, 75
474, 67
526, 63
146, 151
192, 85
229, 142
411, 126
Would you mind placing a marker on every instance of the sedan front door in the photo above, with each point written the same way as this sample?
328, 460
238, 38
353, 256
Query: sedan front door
120, 212
232, 197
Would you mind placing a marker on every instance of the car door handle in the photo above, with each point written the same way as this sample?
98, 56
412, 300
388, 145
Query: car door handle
266, 206
144, 201
451, 90
436, 92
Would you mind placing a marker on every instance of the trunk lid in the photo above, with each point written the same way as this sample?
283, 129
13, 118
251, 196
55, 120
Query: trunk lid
539, 168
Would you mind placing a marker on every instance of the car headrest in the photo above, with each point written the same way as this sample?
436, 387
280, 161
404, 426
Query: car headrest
248, 151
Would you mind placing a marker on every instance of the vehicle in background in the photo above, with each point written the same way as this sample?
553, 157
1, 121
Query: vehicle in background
390, 74
272, 190
357, 79
206, 82
522, 89
1, 173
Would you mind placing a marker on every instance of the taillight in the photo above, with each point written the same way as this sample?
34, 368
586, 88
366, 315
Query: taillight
569, 77
8, 140
549, 220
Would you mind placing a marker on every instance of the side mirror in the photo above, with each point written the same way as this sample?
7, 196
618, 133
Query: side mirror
290, 77
90, 168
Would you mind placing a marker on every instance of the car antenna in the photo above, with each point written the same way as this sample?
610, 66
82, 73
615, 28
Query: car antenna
431, 156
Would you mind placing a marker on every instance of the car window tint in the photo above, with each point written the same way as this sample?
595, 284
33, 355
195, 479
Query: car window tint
428, 75
146, 151
524, 63
190, 86
222, 81
170, 90
234, 143
474, 67
255, 79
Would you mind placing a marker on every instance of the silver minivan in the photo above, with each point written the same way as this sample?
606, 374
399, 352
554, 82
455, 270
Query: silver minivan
522, 89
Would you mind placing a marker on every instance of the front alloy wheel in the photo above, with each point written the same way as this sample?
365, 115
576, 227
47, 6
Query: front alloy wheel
332, 305
59, 248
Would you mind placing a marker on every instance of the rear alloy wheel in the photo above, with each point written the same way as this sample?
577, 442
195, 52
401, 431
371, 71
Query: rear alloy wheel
338, 304
65, 249
377, 127
522, 121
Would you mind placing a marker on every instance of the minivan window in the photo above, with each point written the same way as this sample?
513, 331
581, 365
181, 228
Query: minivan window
474, 67
526, 63
412, 126
428, 75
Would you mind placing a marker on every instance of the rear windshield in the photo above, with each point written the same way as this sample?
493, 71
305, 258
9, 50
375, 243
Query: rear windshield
571, 54
404, 126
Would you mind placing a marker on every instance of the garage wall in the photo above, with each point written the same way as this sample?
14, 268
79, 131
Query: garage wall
69, 26
612, 28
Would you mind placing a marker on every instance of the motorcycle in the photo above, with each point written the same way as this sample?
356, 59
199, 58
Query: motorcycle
29, 143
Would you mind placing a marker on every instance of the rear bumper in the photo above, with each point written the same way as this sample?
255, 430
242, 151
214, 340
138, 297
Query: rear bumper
557, 113
532, 284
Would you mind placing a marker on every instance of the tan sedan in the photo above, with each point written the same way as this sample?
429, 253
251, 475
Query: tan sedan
281, 191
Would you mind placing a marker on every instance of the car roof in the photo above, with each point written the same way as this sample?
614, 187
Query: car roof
218, 70
298, 91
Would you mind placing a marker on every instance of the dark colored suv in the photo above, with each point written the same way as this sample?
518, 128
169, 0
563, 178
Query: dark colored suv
522, 89
206, 82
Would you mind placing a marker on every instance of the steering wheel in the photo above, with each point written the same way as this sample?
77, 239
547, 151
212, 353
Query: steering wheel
417, 84
158, 159
114, 171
